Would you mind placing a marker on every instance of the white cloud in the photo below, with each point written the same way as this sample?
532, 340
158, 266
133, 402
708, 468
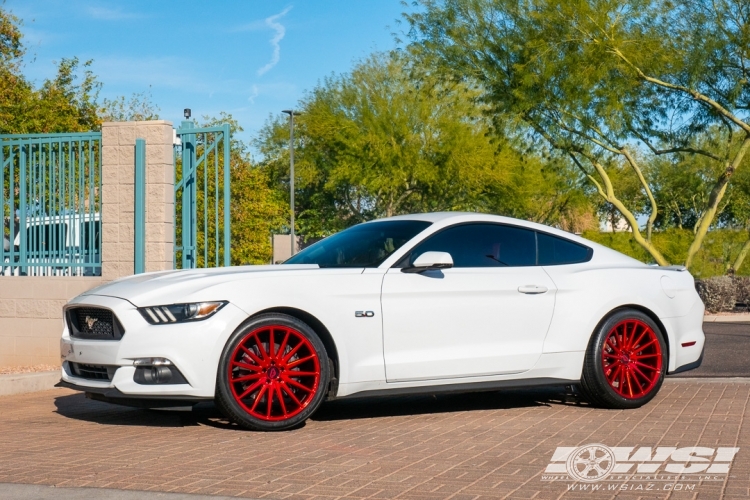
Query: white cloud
103, 13
280, 32
251, 99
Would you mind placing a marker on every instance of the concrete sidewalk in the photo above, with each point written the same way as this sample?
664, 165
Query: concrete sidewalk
19, 383
727, 318
38, 492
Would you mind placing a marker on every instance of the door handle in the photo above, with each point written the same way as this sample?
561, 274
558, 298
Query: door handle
532, 289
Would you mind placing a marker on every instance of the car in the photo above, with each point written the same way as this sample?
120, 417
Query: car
408, 304
66, 244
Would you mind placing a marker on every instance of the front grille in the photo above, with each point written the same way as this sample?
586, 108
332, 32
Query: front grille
92, 372
93, 323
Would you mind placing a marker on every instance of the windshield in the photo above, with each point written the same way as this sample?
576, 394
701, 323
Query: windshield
364, 245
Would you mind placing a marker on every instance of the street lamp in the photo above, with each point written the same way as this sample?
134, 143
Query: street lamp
291, 114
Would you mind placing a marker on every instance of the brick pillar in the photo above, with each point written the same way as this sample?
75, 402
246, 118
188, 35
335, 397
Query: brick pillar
118, 196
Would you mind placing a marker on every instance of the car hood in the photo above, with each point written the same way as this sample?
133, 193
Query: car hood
167, 287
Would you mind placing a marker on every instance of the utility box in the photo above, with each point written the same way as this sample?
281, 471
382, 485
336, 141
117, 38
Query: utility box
282, 247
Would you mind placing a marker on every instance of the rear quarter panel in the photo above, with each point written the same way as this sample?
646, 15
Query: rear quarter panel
586, 294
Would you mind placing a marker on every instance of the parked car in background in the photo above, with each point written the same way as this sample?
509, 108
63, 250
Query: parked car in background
55, 245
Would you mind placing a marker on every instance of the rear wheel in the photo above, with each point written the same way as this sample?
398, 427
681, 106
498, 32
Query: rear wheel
273, 373
625, 362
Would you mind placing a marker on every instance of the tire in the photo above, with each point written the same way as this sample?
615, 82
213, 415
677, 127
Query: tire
273, 373
625, 362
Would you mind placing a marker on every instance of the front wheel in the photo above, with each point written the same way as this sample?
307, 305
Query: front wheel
273, 373
625, 361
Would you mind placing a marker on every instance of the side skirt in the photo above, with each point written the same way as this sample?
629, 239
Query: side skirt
464, 387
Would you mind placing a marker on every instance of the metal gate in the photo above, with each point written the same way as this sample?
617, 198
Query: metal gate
50, 201
202, 197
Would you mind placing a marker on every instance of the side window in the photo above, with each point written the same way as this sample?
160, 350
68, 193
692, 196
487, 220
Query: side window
482, 245
554, 251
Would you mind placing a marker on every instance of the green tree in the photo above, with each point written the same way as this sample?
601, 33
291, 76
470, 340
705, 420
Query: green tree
65, 103
737, 215
603, 81
139, 107
14, 89
392, 138
543, 190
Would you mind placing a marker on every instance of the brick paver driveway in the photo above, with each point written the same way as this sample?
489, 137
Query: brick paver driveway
488, 445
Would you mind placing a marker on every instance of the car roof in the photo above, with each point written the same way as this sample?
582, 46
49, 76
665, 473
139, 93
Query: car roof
448, 218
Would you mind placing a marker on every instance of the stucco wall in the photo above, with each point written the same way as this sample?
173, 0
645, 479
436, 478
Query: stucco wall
31, 316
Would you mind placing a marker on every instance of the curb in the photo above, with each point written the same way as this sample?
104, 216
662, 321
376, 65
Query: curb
20, 383
729, 318
42, 492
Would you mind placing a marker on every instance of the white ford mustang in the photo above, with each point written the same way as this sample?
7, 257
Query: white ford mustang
418, 303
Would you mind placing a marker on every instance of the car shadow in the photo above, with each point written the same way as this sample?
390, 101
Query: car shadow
423, 404
78, 407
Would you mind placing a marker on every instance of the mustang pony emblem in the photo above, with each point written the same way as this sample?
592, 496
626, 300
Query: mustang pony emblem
90, 322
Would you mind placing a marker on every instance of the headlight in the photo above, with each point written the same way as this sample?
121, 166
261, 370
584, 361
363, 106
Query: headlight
178, 313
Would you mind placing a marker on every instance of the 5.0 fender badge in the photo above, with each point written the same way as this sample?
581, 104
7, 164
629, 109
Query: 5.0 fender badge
364, 314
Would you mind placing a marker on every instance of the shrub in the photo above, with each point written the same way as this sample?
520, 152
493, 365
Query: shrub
742, 289
719, 293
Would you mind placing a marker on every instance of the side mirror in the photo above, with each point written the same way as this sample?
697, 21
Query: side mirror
430, 261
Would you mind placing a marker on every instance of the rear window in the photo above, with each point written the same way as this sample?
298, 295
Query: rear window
554, 251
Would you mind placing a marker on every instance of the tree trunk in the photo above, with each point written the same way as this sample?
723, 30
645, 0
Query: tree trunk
717, 193
740, 258
608, 193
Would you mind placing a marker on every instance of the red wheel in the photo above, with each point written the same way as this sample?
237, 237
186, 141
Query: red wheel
273, 373
625, 362
632, 358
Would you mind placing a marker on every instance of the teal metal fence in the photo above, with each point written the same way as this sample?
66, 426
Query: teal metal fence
139, 259
51, 198
202, 197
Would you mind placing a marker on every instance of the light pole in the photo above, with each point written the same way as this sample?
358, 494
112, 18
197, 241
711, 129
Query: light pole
291, 114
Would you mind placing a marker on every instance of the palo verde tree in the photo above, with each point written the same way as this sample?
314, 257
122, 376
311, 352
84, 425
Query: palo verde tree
608, 84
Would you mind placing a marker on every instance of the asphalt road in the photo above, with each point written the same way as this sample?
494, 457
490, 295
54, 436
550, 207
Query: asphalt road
727, 351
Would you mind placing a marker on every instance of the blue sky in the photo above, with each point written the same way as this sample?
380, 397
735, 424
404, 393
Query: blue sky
249, 58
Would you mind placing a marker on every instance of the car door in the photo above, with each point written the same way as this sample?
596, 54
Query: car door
488, 315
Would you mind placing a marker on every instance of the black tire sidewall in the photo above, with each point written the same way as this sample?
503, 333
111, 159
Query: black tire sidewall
594, 378
224, 398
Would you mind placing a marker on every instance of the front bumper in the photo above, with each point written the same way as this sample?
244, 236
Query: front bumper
194, 348
113, 395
